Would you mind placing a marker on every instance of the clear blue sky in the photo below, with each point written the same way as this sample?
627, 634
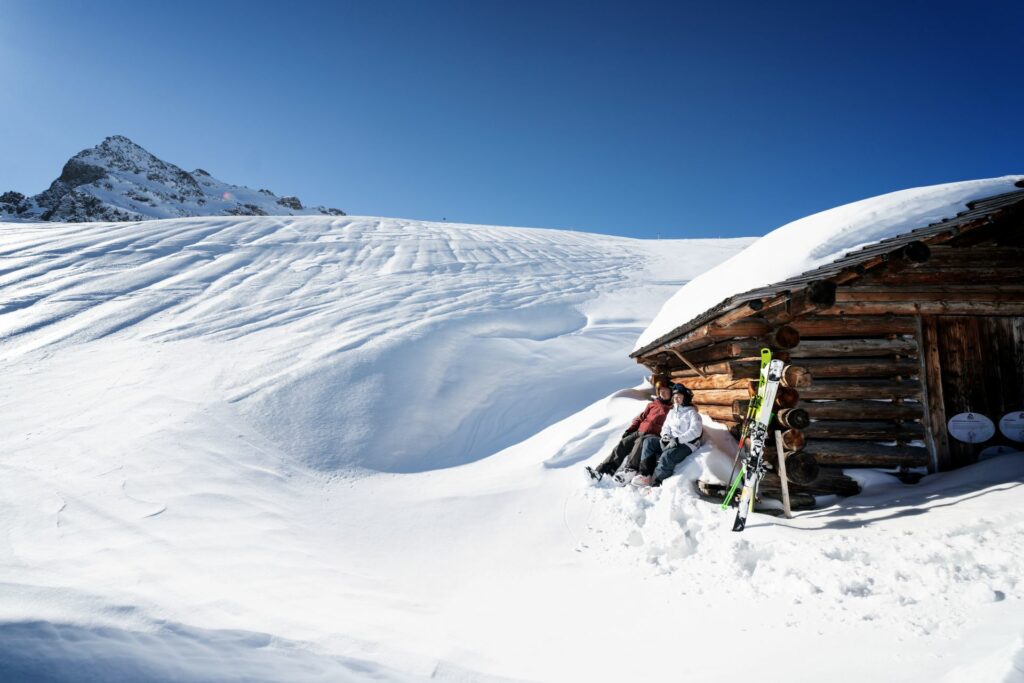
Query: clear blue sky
678, 119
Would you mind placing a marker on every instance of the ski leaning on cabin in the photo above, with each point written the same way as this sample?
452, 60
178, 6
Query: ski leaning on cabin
753, 466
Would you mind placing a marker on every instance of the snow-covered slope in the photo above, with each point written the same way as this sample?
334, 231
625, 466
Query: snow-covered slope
819, 239
118, 180
347, 449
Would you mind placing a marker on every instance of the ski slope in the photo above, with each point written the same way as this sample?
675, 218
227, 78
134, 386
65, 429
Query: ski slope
349, 449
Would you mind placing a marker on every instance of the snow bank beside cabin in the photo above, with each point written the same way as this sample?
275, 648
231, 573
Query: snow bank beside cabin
817, 240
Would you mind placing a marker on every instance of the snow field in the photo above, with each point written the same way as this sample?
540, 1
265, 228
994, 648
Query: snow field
322, 449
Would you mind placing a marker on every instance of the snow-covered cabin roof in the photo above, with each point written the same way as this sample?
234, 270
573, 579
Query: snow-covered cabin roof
824, 244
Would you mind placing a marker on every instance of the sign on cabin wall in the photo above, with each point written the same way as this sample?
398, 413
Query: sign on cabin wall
1012, 426
971, 428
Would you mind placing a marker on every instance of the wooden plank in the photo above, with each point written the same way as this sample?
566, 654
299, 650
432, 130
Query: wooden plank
931, 384
853, 326
783, 479
714, 382
720, 397
865, 454
716, 412
838, 389
947, 295
862, 410
862, 348
831, 368
711, 332
864, 429
1013, 306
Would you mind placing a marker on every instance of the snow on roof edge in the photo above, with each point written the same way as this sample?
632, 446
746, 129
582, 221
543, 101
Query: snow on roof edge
826, 236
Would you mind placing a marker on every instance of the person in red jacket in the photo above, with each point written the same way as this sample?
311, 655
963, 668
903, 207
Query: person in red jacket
646, 425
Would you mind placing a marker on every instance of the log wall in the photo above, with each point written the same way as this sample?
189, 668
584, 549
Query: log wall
864, 376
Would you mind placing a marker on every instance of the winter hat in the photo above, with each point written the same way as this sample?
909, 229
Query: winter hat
686, 393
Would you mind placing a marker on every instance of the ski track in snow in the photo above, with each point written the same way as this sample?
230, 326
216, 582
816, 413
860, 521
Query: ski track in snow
351, 448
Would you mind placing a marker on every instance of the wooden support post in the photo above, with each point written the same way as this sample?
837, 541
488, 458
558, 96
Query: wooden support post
688, 363
782, 475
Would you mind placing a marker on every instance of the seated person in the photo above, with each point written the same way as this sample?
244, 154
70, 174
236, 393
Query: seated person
645, 427
680, 435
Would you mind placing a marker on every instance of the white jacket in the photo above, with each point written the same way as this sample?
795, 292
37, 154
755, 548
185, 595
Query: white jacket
683, 425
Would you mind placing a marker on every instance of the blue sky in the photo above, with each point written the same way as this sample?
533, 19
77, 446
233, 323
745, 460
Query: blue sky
676, 119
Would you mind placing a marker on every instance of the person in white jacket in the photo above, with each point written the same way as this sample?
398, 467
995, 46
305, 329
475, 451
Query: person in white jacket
680, 436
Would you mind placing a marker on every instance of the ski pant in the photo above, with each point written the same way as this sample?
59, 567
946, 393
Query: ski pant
661, 463
625, 454
670, 457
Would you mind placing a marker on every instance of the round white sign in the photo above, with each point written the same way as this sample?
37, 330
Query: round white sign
1012, 425
971, 428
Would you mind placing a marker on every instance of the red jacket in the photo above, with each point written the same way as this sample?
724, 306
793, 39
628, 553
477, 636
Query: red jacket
653, 417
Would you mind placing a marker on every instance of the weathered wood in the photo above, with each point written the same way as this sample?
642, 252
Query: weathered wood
828, 482
710, 332
862, 410
794, 418
743, 349
853, 326
931, 376
838, 389
950, 274
831, 368
716, 412
686, 361
861, 454
864, 348
951, 307
719, 397
787, 397
784, 337
800, 467
864, 429
930, 296
792, 439
717, 492
783, 478
714, 382
792, 375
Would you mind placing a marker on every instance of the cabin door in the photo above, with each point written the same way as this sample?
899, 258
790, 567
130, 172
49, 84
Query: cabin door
975, 365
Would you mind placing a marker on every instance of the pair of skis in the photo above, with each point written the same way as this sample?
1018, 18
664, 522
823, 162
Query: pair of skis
754, 435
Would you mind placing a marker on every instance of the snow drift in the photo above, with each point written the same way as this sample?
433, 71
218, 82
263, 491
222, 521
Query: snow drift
331, 449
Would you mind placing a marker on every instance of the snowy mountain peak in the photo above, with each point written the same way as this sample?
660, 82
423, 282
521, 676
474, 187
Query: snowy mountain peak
119, 180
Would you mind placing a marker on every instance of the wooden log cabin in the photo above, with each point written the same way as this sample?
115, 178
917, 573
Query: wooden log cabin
885, 345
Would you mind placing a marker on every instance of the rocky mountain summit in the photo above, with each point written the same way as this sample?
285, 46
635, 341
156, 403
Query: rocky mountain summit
118, 180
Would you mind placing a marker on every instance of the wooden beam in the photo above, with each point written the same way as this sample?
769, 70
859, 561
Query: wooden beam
931, 375
951, 307
862, 410
837, 389
783, 478
864, 454
854, 326
720, 397
792, 375
687, 362
862, 348
830, 368
714, 382
868, 430
716, 412
711, 332
932, 296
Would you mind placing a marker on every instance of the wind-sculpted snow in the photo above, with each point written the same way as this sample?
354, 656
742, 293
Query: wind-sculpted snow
351, 449
394, 345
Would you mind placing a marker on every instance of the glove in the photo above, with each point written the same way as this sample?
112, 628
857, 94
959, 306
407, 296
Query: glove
666, 441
